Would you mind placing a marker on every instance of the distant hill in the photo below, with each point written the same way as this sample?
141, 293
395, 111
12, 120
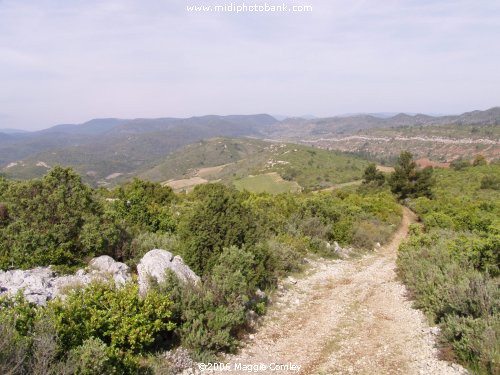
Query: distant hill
12, 131
440, 138
102, 148
294, 128
234, 160
92, 127
108, 151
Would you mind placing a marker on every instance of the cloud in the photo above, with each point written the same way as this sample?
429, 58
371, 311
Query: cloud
69, 61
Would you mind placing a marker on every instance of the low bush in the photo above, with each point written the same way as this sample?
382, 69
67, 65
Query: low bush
204, 325
475, 341
211, 316
14, 350
117, 316
287, 253
455, 291
490, 182
96, 330
91, 358
368, 232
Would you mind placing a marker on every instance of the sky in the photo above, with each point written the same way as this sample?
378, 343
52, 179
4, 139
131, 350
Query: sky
69, 61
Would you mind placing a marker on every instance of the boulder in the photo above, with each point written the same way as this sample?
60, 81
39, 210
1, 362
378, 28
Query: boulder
41, 284
340, 251
156, 262
105, 265
102, 268
36, 284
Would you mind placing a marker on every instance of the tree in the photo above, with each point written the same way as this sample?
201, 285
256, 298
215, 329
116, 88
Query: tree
54, 220
409, 182
216, 220
373, 176
145, 205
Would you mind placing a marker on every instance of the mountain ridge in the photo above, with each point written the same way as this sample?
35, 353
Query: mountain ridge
111, 146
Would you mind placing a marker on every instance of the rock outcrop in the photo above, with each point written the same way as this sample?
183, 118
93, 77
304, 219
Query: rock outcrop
41, 284
155, 263
105, 265
36, 284
339, 250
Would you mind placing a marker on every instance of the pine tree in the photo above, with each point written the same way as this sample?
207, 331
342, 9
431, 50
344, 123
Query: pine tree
409, 182
373, 176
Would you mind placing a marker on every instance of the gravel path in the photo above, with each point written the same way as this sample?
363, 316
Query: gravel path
347, 317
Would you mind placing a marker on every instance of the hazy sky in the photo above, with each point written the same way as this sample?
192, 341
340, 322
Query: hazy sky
69, 61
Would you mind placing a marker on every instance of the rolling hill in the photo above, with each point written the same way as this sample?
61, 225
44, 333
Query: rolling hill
252, 163
439, 138
107, 151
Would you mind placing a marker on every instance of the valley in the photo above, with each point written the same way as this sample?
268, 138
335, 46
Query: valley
207, 188
107, 152
254, 251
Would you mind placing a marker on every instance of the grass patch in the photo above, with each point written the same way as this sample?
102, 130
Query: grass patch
266, 183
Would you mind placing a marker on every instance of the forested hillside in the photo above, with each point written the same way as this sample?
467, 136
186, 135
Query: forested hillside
105, 149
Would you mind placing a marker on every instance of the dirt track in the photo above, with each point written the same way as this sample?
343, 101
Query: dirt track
347, 317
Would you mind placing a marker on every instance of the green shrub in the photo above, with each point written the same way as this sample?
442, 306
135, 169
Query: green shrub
342, 231
18, 313
209, 317
490, 182
217, 219
233, 279
204, 324
55, 220
460, 164
438, 220
456, 291
117, 316
475, 341
145, 206
91, 358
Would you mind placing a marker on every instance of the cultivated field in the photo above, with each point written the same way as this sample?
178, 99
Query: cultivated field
266, 183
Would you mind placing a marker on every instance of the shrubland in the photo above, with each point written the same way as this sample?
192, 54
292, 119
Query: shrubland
451, 263
240, 244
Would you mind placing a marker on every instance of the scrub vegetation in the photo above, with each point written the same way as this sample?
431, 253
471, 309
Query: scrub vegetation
451, 263
240, 243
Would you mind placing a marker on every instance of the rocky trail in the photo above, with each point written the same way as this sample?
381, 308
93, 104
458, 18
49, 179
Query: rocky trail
347, 317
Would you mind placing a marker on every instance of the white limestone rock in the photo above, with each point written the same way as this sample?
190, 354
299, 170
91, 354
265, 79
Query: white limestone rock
156, 262
41, 284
